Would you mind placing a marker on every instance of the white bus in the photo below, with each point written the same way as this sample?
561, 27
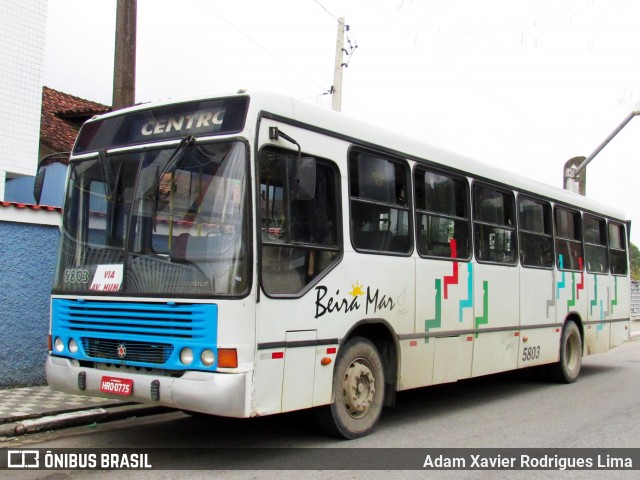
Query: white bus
250, 254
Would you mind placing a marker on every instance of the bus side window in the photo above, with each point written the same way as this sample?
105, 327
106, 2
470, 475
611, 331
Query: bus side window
494, 225
535, 233
568, 239
442, 214
595, 244
380, 219
617, 249
300, 238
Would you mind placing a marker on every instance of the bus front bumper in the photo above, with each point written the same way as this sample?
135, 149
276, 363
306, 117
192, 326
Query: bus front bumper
224, 394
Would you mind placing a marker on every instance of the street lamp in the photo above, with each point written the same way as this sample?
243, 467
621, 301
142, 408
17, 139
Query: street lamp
573, 168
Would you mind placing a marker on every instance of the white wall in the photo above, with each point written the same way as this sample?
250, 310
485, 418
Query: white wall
22, 47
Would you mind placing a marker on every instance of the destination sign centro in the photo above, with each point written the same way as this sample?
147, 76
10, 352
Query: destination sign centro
130, 127
184, 123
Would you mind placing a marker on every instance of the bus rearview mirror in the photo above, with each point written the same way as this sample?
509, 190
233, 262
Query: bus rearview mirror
38, 183
305, 180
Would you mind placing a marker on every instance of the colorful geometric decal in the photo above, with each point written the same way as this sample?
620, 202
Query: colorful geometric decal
561, 283
468, 303
572, 302
614, 302
581, 284
484, 318
436, 322
594, 302
575, 288
452, 279
552, 302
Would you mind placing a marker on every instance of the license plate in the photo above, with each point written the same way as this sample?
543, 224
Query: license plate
118, 386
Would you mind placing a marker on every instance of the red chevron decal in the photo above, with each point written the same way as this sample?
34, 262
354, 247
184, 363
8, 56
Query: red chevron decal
580, 286
451, 279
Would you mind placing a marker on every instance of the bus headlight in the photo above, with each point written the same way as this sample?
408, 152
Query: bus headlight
207, 357
73, 346
58, 344
186, 356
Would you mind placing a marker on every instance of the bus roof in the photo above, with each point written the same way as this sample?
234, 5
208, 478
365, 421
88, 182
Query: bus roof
360, 132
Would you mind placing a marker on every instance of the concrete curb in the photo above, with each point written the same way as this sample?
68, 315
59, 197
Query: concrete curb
73, 419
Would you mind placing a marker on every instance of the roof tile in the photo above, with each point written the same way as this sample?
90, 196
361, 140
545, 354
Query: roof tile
56, 131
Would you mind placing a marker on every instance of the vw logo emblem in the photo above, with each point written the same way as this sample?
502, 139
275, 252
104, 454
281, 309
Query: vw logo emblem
122, 350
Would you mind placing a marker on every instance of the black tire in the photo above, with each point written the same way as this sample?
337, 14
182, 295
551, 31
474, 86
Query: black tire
357, 392
567, 369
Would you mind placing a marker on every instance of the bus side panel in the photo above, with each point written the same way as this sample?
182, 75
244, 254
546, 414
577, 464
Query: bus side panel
444, 306
539, 346
452, 358
358, 289
299, 367
537, 297
571, 295
619, 333
323, 375
496, 308
619, 307
538, 307
416, 365
597, 333
267, 382
597, 337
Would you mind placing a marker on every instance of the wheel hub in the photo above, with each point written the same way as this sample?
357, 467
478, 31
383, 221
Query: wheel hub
359, 388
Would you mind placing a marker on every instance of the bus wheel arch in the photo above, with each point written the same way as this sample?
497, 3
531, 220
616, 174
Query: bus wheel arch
381, 334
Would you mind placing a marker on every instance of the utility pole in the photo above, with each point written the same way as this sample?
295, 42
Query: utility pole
124, 63
336, 91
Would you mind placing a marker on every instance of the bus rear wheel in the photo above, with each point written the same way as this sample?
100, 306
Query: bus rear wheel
358, 391
567, 369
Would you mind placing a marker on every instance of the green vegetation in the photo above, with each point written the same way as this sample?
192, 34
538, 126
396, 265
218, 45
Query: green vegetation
635, 262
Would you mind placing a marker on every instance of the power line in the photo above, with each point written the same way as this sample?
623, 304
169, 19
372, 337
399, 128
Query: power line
326, 10
261, 47
467, 77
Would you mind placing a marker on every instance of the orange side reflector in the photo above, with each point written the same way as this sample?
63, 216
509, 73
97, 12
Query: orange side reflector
227, 358
325, 361
49, 343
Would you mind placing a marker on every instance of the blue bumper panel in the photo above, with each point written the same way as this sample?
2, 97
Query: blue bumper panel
138, 334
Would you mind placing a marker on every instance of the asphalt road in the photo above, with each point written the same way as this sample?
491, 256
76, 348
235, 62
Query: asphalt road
512, 410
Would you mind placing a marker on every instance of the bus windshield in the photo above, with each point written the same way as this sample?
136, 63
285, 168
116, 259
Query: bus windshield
170, 221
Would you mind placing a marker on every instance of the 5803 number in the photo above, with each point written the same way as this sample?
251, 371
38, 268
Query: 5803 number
76, 275
531, 353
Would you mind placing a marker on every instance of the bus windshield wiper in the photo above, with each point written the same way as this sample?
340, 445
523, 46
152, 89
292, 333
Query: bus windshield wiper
107, 174
174, 161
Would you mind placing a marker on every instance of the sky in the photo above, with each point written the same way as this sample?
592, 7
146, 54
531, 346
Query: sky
521, 84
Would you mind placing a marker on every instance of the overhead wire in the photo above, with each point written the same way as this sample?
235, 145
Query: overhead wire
261, 47
327, 10
467, 77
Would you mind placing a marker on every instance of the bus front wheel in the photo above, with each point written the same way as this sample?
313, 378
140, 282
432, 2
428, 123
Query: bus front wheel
358, 391
568, 368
